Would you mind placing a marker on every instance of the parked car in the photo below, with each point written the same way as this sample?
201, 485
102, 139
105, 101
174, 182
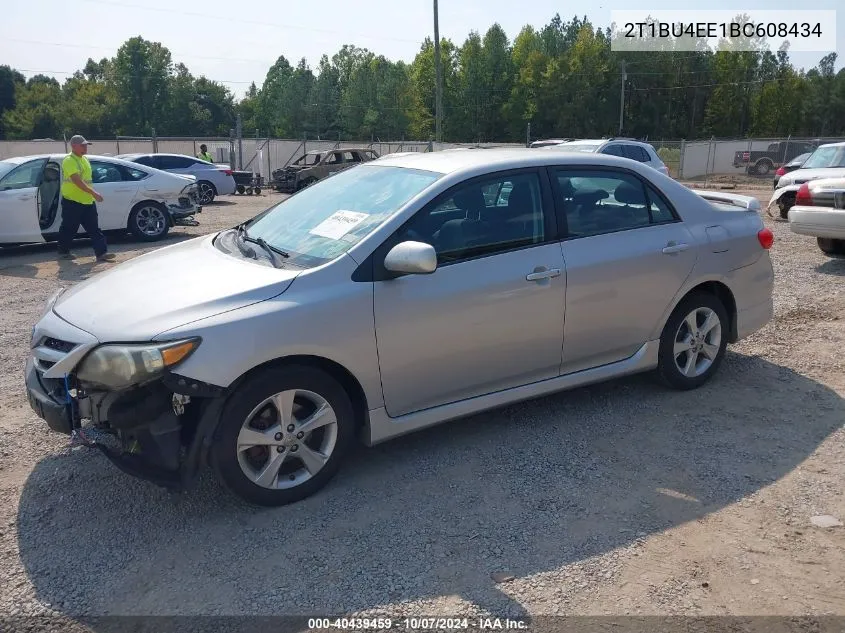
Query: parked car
548, 141
390, 297
212, 180
828, 161
819, 212
762, 162
791, 166
144, 201
316, 165
626, 148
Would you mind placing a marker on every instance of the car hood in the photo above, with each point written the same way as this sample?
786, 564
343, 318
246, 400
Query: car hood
800, 176
173, 286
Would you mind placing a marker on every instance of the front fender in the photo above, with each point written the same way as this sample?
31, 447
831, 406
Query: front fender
779, 193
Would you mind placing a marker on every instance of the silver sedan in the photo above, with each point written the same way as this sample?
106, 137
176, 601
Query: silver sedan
396, 295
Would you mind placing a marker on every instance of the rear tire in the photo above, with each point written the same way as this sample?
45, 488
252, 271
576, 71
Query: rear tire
207, 192
148, 221
693, 342
830, 246
312, 456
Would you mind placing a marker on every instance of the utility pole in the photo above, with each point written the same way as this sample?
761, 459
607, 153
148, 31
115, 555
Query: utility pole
622, 98
239, 132
528, 135
438, 106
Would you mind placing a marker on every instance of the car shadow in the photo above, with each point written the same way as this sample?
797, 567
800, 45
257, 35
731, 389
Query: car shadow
36, 260
221, 203
521, 490
833, 266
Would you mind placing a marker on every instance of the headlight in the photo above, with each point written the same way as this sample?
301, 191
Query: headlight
118, 366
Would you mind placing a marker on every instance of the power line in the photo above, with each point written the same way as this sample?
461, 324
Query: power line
109, 48
112, 75
230, 20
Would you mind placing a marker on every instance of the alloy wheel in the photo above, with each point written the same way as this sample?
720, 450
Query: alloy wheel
206, 193
697, 342
150, 220
287, 439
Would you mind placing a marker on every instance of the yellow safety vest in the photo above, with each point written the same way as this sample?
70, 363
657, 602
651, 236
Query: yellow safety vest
205, 156
73, 164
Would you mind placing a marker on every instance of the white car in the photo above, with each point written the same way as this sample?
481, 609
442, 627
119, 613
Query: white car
819, 211
142, 200
622, 147
827, 161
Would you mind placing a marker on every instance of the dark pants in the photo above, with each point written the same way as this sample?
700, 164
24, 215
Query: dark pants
74, 214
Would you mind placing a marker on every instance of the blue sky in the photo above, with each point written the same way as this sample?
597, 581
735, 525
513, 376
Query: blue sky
236, 42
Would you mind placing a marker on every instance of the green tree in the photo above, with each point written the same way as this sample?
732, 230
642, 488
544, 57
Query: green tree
140, 73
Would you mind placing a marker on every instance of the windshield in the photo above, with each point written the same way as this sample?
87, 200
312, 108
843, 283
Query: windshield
326, 219
6, 167
826, 157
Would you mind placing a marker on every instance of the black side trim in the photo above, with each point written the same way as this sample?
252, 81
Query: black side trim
191, 387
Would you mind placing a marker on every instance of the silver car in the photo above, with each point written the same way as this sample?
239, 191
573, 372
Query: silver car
393, 296
212, 180
624, 147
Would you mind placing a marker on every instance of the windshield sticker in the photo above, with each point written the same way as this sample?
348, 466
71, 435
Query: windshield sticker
338, 224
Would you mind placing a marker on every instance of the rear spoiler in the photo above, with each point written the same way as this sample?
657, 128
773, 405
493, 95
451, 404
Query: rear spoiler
743, 202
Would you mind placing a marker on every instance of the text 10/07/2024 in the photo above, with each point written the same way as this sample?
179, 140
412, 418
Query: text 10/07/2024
418, 624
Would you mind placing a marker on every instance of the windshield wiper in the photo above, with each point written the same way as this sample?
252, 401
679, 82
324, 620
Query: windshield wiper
272, 251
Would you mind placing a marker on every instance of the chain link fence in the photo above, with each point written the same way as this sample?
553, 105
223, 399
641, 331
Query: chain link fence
746, 161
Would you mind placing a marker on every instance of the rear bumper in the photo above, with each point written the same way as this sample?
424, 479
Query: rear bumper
754, 318
817, 222
226, 187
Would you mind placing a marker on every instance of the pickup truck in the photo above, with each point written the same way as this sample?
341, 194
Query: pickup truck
777, 154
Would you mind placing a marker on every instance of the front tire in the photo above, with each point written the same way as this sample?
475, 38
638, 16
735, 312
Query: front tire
148, 222
283, 435
693, 342
830, 246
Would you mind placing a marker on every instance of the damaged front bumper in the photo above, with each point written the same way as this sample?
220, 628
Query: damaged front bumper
183, 209
159, 431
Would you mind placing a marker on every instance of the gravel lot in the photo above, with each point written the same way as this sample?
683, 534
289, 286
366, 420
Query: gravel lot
621, 498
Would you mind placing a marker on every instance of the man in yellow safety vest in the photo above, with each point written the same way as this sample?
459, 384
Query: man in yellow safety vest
79, 202
205, 154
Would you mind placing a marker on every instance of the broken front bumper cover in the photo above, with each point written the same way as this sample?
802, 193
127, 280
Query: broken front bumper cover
140, 431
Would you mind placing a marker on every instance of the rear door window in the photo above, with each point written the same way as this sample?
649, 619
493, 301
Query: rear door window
174, 162
606, 201
636, 152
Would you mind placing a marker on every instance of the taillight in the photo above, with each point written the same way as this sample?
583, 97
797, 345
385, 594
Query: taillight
780, 172
803, 197
228, 172
766, 238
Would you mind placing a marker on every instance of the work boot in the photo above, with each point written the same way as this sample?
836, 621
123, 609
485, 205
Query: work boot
106, 257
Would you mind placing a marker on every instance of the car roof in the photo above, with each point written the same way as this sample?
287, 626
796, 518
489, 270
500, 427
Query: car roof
837, 144
451, 160
17, 160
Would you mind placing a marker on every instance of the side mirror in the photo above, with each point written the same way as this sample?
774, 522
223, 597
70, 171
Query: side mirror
415, 258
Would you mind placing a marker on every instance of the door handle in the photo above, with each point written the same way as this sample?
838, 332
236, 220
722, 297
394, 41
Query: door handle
122, 190
672, 248
543, 274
